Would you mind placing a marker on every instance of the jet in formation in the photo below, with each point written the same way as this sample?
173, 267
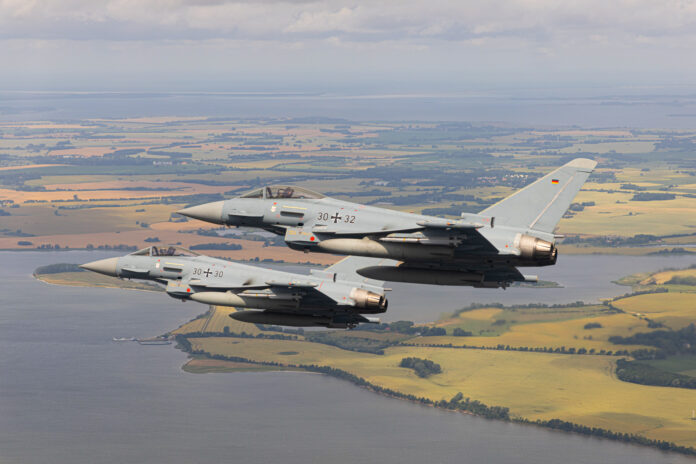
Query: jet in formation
334, 297
480, 250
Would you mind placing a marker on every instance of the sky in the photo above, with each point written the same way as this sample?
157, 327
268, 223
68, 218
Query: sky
340, 46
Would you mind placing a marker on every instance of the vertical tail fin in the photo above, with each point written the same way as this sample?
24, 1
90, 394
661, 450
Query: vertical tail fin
540, 205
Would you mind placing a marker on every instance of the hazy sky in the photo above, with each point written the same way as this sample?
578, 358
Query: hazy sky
400, 45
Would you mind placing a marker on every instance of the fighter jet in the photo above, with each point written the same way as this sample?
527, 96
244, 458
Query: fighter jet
334, 297
480, 250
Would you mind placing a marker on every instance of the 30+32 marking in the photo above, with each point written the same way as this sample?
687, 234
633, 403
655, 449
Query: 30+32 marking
336, 218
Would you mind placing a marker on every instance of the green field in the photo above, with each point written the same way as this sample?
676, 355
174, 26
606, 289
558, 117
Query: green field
108, 181
674, 309
684, 364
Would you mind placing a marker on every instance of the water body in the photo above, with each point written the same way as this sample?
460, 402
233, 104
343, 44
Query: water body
68, 394
587, 278
596, 108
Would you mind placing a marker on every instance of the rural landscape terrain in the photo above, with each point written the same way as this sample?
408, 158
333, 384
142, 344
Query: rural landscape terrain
624, 368
117, 183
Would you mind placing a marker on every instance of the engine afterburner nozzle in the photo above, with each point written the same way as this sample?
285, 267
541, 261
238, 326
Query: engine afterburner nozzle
369, 302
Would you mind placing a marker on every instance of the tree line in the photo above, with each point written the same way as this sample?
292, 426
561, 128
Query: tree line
532, 349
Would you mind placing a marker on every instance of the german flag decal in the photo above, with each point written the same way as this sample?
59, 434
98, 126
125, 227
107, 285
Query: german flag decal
554, 181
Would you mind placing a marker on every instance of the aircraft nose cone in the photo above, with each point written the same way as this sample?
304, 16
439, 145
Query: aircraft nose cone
103, 266
209, 212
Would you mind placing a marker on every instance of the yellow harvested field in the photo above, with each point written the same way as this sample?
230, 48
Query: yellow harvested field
483, 314
76, 224
665, 276
676, 310
581, 389
27, 166
204, 366
178, 188
84, 192
47, 125
191, 224
569, 334
614, 214
215, 321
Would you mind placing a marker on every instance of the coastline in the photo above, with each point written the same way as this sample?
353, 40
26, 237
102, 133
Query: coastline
489, 412
265, 360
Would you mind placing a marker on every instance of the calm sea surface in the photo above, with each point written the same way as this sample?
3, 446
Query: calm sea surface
68, 394
582, 278
598, 108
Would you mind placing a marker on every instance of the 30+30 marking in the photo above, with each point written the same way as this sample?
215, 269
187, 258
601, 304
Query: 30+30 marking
207, 272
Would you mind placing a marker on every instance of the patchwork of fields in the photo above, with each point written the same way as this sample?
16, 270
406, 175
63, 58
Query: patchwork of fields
116, 184
107, 183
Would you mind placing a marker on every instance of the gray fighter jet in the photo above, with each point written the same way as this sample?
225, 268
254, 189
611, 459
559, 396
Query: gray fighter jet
334, 297
481, 250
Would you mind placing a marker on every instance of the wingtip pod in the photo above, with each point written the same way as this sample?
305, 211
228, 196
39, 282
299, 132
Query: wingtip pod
583, 164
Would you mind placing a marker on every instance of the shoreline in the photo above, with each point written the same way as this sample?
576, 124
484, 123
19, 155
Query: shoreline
552, 424
393, 391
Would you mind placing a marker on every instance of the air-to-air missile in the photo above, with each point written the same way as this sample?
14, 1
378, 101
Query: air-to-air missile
334, 297
480, 250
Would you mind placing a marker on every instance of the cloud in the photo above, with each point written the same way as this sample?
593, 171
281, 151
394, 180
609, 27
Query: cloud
336, 38
529, 20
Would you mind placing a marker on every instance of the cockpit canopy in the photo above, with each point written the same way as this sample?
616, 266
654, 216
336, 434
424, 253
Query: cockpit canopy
164, 251
282, 191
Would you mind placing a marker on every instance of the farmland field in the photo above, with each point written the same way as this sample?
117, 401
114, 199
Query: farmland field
115, 182
581, 389
542, 363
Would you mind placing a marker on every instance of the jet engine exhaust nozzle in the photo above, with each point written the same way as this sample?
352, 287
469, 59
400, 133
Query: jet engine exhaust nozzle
536, 249
369, 302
